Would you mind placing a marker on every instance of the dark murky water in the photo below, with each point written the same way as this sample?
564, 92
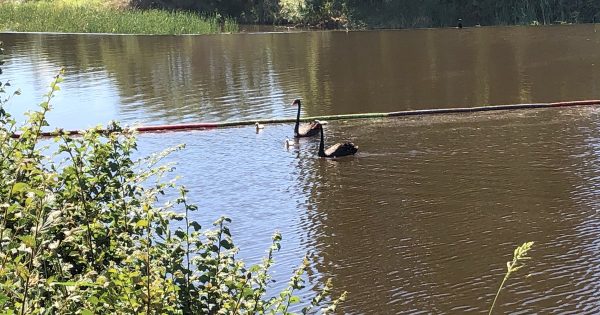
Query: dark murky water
424, 219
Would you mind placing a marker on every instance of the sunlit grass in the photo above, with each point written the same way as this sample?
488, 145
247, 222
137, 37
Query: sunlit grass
76, 16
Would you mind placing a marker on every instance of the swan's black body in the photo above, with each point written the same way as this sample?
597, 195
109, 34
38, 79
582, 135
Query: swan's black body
336, 150
305, 130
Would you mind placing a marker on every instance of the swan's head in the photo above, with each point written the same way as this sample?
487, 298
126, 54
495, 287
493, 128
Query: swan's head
296, 102
258, 126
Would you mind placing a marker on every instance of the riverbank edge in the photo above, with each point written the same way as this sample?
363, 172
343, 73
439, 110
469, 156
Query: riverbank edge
294, 31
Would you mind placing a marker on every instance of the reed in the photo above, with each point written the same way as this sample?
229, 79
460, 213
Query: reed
56, 17
519, 255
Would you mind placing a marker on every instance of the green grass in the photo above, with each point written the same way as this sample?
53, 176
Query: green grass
52, 17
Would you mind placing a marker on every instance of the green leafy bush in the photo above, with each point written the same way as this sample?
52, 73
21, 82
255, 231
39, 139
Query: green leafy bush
82, 232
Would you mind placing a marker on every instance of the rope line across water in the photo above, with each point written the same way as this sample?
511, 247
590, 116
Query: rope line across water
200, 126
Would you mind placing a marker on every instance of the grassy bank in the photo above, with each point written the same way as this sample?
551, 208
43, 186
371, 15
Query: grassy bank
60, 17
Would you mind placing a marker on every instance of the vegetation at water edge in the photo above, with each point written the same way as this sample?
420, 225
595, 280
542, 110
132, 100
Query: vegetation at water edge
46, 16
392, 14
86, 230
212, 16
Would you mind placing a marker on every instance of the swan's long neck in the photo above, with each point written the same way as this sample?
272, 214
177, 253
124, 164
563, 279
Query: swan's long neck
321, 144
297, 120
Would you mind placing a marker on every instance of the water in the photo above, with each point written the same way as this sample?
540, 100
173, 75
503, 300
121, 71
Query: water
425, 217
171, 79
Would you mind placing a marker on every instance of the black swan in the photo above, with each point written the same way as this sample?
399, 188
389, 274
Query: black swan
336, 150
306, 130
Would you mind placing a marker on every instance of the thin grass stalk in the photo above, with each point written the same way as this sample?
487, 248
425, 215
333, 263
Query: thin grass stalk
498, 292
519, 255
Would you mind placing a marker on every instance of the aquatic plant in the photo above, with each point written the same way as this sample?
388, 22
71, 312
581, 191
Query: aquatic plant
50, 17
519, 255
84, 230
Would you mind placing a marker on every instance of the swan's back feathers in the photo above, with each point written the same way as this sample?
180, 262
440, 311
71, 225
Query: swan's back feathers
341, 149
309, 130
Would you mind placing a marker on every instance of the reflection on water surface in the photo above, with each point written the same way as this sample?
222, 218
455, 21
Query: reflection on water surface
157, 79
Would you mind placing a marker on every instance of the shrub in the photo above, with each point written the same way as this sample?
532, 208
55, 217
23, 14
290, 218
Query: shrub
82, 231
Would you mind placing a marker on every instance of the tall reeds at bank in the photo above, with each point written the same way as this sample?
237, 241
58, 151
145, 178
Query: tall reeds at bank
51, 17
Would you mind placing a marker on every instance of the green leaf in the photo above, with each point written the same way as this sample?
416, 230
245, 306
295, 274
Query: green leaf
19, 187
142, 223
255, 268
38, 193
93, 300
226, 244
195, 225
3, 299
87, 312
179, 233
28, 240
248, 292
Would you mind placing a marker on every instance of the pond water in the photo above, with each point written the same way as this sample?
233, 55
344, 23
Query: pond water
425, 217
